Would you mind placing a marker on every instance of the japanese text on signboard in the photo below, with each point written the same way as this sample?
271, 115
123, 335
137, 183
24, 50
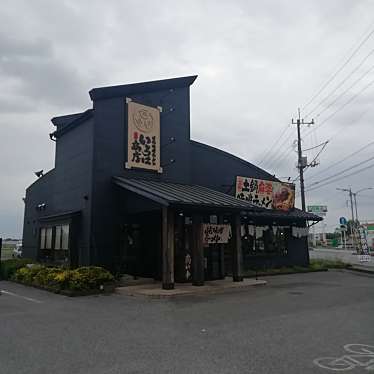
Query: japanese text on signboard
216, 233
143, 148
266, 194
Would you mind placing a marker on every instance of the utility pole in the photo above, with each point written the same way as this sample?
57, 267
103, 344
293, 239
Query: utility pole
355, 198
349, 190
300, 163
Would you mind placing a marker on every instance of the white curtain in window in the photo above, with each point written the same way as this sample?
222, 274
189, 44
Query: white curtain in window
58, 237
42, 238
65, 237
48, 241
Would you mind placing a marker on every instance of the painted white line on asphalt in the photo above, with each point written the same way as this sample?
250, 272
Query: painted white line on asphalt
21, 297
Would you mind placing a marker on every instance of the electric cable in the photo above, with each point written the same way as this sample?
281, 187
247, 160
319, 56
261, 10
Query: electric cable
345, 63
340, 84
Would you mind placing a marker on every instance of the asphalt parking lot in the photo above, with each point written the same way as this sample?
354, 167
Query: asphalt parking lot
288, 326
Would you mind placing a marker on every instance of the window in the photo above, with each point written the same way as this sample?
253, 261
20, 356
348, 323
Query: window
264, 240
62, 237
54, 243
42, 238
65, 237
46, 237
58, 237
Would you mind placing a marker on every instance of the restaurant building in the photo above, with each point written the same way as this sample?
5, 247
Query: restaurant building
132, 192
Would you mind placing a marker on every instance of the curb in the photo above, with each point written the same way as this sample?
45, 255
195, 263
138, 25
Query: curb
359, 270
285, 273
182, 293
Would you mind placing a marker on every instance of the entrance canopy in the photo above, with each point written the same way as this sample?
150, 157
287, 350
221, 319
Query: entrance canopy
183, 195
194, 196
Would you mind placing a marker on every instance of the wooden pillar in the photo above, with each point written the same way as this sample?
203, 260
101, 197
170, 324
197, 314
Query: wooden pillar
221, 248
167, 248
237, 256
197, 251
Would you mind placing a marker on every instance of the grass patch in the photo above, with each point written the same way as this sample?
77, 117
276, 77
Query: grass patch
328, 264
315, 265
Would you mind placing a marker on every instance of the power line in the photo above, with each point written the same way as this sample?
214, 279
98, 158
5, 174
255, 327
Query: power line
339, 69
343, 159
276, 141
317, 146
340, 84
343, 171
340, 178
272, 160
345, 91
341, 107
282, 156
311, 164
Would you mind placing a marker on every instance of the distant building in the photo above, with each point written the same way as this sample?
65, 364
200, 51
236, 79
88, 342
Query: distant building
370, 233
131, 191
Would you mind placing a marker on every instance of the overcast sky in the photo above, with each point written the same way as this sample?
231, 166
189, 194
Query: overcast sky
257, 62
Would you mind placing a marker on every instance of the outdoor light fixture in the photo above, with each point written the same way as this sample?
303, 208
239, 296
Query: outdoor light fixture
41, 206
39, 173
172, 161
171, 141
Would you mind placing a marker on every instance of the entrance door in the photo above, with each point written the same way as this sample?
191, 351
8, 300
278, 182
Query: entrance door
214, 257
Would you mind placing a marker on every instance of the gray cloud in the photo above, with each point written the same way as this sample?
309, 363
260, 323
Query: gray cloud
257, 62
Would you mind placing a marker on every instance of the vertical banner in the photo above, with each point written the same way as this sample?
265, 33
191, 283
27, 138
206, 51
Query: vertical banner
266, 194
143, 145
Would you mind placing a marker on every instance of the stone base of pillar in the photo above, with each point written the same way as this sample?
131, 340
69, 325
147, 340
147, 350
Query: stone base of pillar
237, 278
168, 286
198, 283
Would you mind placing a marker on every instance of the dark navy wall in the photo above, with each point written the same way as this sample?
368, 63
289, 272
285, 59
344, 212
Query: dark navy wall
217, 169
63, 189
73, 180
40, 192
110, 155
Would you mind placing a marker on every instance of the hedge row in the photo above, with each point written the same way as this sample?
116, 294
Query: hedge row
87, 278
9, 267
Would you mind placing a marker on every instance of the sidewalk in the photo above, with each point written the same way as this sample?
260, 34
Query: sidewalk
363, 268
154, 289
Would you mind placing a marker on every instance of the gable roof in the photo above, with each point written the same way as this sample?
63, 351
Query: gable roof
70, 121
135, 88
178, 194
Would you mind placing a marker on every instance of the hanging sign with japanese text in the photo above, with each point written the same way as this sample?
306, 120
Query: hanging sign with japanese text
213, 233
143, 146
266, 194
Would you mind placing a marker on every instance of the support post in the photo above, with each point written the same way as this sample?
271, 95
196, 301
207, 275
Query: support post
237, 256
197, 251
167, 248
221, 252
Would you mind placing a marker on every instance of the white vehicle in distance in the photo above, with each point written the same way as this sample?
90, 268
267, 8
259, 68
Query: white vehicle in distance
17, 251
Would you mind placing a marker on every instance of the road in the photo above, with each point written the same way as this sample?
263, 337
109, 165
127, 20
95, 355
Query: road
286, 326
339, 254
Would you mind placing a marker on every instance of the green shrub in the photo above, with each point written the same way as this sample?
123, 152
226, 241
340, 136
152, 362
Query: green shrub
9, 267
27, 273
46, 277
81, 279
